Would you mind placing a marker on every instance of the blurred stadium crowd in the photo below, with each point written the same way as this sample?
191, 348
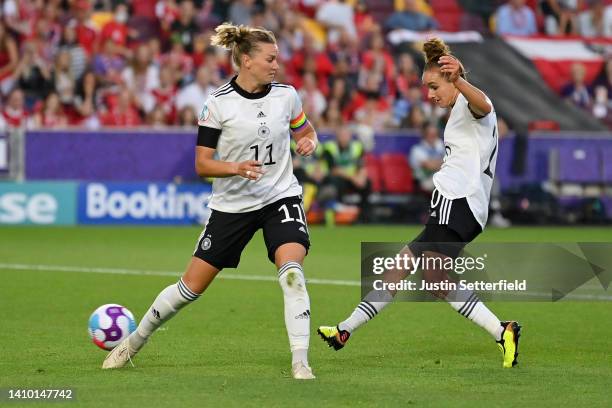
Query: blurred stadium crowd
98, 63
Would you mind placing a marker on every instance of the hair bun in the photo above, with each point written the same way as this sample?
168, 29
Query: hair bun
434, 48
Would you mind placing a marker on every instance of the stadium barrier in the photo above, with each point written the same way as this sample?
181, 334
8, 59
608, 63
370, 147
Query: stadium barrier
167, 156
42, 203
69, 203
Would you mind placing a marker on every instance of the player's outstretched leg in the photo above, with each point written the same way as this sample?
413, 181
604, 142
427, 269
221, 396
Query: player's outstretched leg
372, 304
167, 304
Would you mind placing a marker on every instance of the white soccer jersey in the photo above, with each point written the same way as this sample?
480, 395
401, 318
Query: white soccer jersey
254, 127
471, 154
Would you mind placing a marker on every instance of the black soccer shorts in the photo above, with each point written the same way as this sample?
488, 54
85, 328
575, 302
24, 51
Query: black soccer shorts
226, 234
450, 227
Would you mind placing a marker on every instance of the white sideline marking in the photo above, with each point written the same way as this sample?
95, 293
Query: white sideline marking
139, 272
229, 276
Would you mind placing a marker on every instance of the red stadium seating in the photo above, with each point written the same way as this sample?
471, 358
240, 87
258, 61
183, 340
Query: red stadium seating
445, 6
447, 13
396, 174
372, 164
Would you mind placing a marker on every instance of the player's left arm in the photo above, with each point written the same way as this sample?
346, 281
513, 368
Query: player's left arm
306, 138
477, 100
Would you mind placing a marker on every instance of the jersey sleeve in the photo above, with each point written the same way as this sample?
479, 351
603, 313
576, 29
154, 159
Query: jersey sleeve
210, 116
298, 117
209, 125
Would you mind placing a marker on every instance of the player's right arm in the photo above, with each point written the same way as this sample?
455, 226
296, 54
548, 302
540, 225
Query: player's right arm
207, 166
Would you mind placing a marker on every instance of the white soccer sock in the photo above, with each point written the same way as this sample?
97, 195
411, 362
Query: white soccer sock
366, 310
297, 310
469, 305
164, 307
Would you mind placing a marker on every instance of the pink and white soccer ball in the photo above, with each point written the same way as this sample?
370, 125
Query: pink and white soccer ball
110, 324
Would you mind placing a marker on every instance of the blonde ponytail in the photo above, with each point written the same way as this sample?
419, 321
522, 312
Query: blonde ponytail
240, 40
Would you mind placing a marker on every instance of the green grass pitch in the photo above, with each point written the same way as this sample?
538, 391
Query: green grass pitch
230, 348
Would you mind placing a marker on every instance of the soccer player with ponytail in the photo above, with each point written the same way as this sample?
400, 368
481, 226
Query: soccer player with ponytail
459, 203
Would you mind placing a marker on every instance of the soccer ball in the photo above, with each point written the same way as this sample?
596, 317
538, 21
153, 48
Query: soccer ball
110, 324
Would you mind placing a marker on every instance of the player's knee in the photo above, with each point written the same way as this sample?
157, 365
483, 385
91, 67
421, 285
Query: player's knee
293, 281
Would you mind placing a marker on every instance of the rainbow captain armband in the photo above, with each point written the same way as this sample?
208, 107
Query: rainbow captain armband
299, 122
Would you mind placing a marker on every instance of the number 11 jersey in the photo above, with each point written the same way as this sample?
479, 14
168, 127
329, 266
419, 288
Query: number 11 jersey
254, 126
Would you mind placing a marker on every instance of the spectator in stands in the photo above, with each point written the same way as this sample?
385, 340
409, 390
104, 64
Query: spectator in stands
63, 80
87, 101
426, 157
107, 65
185, 28
604, 78
167, 12
200, 45
378, 59
187, 117
416, 118
9, 58
410, 18
179, 61
19, 16
313, 100
51, 115
347, 71
332, 117
408, 74
577, 91
164, 95
375, 113
337, 16
142, 77
124, 112
118, 31
33, 75
157, 117
310, 59
596, 21
344, 157
340, 93
407, 99
602, 104
515, 18
193, 95
208, 17
47, 34
240, 11
78, 56
14, 114
364, 21
86, 32
290, 37
560, 16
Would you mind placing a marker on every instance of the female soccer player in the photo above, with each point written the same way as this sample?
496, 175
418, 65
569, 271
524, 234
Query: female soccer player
243, 142
459, 203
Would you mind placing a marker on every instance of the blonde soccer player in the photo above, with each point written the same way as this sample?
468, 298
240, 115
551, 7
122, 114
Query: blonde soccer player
245, 129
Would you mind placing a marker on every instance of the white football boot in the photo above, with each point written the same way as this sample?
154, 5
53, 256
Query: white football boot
302, 372
119, 356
